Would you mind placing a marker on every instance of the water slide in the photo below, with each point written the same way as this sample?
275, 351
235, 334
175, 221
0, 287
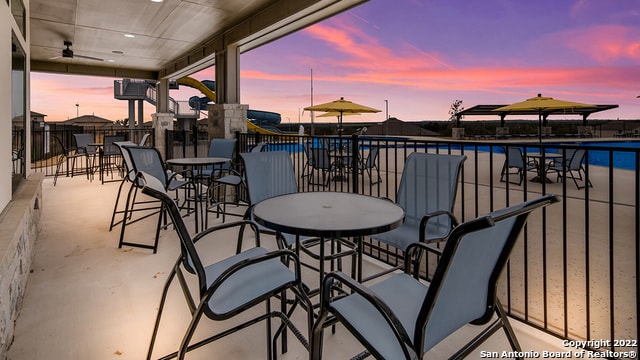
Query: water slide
207, 88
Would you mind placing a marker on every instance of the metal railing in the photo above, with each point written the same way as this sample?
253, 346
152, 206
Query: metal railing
45, 151
575, 270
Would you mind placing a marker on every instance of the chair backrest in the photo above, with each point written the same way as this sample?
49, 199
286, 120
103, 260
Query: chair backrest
514, 157
429, 183
155, 188
109, 147
131, 172
224, 148
83, 141
147, 160
371, 158
65, 150
463, 289
259, 147
320, 158
144, 139
307, 153
576, 159
268, 174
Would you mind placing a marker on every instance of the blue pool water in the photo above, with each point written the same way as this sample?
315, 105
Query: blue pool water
621, 159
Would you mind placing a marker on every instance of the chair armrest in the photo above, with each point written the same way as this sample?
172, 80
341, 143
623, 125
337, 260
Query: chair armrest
434, 214
414, 250
394, 323
223, 226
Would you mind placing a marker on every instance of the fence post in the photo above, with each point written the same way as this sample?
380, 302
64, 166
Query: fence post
355, 154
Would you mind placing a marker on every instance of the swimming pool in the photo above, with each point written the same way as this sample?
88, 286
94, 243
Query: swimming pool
623, 158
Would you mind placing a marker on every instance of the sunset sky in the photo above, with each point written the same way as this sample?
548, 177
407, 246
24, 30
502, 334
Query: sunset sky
420, 56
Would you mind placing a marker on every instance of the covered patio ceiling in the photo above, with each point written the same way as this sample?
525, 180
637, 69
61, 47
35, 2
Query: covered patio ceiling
152, 40
489, 110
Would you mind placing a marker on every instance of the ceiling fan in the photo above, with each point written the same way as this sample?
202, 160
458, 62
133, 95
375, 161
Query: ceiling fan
68, 53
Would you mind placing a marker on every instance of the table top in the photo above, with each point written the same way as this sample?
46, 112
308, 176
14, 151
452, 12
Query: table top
328, 214
546, 155
195, 161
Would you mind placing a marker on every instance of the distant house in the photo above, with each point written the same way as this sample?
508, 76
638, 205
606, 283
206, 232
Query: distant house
396, 127
90, 122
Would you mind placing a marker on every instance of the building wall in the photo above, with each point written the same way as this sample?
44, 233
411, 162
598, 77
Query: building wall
19, 207
6, 23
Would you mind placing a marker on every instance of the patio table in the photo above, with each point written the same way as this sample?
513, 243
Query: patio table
329, 214
197, 165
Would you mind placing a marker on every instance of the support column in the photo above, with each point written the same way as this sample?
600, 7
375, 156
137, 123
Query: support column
226, 119
140, 114
228, 75
132, 114
162, 96
161, 122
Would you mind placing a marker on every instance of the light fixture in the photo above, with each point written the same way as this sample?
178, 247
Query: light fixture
129, 35
158, 1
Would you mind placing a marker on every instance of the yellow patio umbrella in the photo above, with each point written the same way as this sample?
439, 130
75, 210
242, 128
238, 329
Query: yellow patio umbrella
541, 105
336, 114
342, 107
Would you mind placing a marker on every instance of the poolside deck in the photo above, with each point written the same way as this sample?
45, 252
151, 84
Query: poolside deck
87, 299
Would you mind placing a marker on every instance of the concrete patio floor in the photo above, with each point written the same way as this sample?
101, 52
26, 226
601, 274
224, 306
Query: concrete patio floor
87, 299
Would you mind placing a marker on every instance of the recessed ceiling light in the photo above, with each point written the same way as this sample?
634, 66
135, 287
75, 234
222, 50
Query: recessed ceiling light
111, 60
156, 0
129, 35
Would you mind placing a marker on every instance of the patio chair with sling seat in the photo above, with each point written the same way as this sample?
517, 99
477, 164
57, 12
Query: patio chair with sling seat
83, 142
515, 160
70, 156
403, 317
148, 160
571, 166
229, 287
427, 193
270, 174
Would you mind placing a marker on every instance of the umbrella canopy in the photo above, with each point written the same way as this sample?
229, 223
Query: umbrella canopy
336, 114
342, 107
543, 105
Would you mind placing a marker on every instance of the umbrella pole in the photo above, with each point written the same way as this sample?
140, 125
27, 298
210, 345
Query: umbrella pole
539, 126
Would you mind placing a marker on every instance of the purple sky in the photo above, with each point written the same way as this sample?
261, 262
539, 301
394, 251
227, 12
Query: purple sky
420, 56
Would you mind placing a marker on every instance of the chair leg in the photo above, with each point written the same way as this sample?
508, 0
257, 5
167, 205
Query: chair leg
501, 321
163, 299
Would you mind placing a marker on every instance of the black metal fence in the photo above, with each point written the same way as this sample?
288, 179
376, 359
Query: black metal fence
575, 271
45, 150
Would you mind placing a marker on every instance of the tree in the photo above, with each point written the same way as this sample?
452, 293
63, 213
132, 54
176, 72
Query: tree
455, 108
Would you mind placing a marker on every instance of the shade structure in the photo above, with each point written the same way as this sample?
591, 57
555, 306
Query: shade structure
541, 105
342, 107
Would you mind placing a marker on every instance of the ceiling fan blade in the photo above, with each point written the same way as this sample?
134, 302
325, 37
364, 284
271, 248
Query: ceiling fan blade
88, 57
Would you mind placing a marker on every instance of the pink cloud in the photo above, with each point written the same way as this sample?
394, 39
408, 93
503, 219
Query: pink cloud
605, 44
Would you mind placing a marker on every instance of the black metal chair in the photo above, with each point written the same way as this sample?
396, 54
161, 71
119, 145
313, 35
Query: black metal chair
403, 317
572, 166
231, 286
515, 164
148, 160
70, 156
427, 193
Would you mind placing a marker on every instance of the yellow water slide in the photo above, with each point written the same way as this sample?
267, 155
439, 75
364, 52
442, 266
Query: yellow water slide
196, 84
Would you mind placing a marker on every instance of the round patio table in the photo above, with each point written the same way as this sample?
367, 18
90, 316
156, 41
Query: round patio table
197, 164
328, 214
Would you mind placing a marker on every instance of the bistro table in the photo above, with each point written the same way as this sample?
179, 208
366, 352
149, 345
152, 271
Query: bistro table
542, 166
328, 214
197, 164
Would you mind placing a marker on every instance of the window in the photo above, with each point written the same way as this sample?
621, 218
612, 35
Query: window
18, 111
